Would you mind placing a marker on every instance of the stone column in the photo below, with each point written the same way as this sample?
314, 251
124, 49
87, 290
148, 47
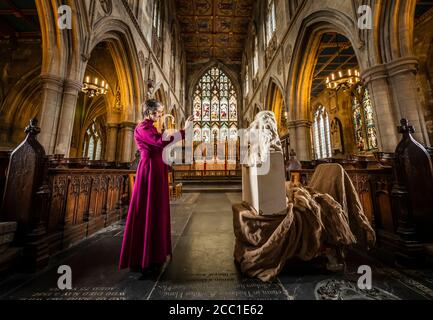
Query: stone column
385, 116
300, 138
402, 76
52, 87
111, 146
67, 116
127, 136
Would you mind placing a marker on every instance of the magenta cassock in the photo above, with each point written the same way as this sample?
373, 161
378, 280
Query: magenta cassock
147, 235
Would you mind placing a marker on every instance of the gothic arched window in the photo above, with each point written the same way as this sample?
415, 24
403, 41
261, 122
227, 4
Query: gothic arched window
363, 119
156, 18
271, 24
92, 143
256, 57
215, 106
157, 29
321, 134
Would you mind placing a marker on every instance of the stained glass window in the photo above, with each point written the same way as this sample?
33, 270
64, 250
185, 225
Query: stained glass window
215, 106
363, 119
197, 133
322, 134
92, 143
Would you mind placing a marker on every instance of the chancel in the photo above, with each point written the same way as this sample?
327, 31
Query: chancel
304, 152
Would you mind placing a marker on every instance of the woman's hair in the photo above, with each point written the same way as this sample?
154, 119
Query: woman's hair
150, 106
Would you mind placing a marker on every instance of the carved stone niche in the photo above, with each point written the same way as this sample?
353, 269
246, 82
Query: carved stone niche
271, 49
107, 6
24, 178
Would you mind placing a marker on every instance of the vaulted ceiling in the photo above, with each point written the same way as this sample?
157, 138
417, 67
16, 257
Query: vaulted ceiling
214, 29
422, 6
335, 53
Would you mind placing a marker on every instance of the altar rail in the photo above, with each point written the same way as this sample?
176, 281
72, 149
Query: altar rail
205, 175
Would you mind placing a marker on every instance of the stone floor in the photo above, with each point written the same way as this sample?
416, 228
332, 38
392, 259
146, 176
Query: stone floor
202, 267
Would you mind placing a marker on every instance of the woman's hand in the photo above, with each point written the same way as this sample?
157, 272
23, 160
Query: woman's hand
189, 122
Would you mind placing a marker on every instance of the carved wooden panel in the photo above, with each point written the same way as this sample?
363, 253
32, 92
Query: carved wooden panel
93, 205
56, 217
104, 194
83, 201
362, 186
72, 200
385, 216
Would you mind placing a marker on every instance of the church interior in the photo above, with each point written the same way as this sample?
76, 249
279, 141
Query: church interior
344, 86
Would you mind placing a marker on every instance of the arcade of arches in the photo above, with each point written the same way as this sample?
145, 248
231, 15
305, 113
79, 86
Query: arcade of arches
338, 92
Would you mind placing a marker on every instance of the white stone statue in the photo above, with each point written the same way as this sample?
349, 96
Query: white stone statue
263, 176
262, 137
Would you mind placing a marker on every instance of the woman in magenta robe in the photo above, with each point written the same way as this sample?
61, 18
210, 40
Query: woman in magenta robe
147, 236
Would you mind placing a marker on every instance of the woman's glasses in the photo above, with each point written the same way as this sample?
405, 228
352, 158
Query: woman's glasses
157, 112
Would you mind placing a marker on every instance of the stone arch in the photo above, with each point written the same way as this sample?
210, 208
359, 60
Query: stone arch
21, 104
275, 102
393, 39
97, 110
61, 48
301, 69
124, 53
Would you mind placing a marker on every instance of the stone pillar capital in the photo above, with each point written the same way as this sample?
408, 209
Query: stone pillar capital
51, 82
403, 65
128, 125
299, 123
393, 68
378, 72
112, 126
72, 85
